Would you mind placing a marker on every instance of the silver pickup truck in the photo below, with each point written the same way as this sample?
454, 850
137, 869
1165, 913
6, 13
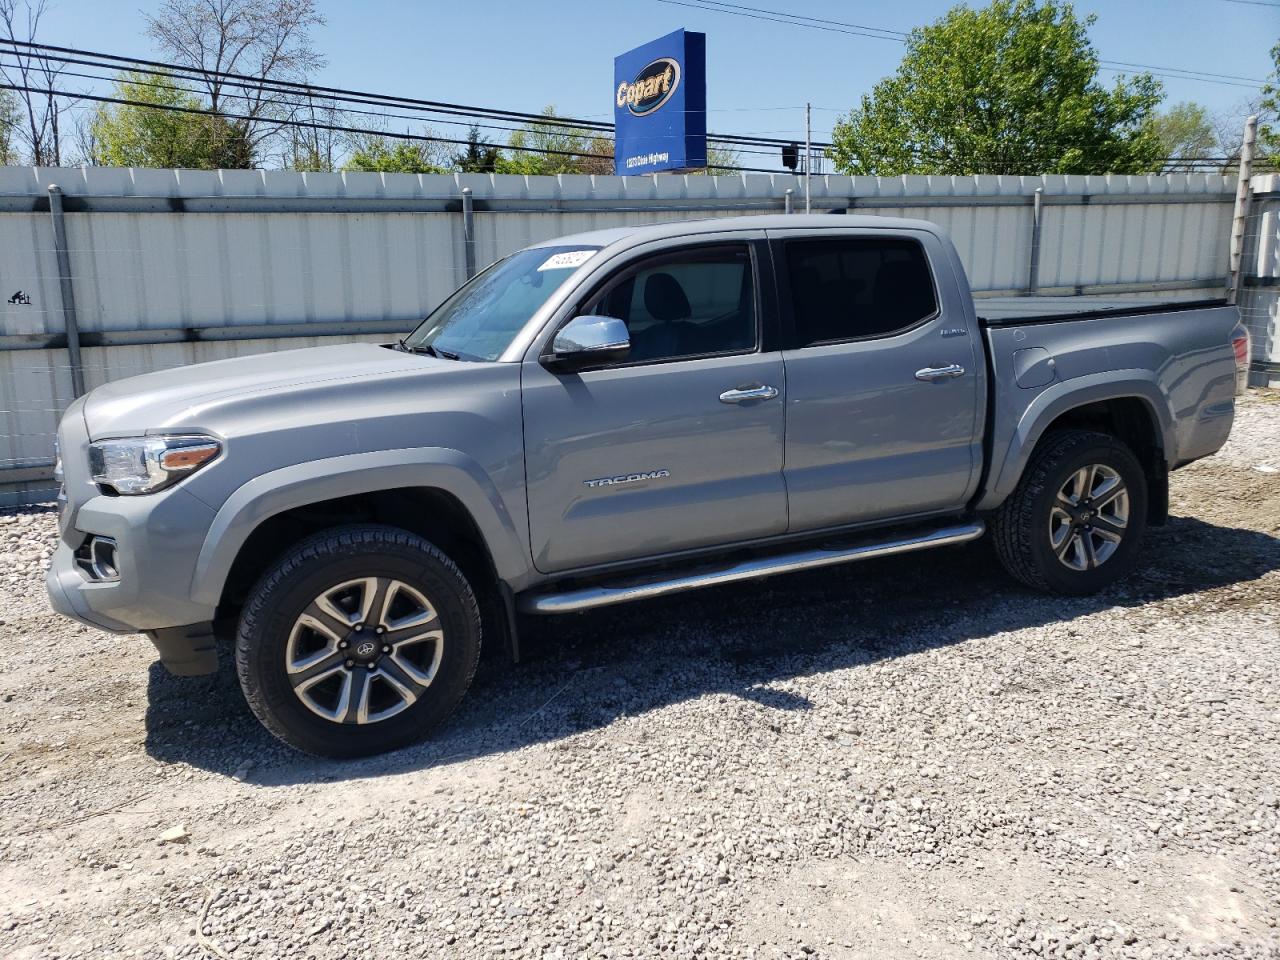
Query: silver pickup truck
613, 416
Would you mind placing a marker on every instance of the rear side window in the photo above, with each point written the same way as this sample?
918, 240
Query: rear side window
854, 288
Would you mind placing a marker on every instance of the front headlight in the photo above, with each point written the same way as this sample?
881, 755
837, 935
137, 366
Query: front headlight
146, 464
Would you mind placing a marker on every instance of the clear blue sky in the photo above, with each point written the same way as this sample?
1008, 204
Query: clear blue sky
525, 55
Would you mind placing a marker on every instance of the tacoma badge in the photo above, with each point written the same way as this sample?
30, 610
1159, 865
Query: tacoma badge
629, 478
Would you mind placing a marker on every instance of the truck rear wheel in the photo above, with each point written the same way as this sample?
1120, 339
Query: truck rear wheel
1075, 521
359, 640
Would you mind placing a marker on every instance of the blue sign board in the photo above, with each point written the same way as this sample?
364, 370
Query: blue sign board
660, 105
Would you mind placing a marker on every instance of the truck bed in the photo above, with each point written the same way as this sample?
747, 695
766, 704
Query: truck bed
1050, 354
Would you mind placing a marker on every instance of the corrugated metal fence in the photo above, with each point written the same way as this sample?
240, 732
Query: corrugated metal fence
168, 267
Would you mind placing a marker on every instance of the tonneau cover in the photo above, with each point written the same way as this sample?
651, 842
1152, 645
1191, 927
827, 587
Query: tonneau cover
1004, 311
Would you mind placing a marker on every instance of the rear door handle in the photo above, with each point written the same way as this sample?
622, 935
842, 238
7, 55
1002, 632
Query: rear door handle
949, 372
744, 394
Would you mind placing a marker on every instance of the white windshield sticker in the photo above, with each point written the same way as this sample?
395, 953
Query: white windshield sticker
567, 260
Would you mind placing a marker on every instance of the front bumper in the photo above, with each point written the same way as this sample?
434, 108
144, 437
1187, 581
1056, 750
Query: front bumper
157, 541
186, 651
157, 538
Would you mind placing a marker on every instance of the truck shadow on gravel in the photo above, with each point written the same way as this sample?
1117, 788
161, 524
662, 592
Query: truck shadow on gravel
583, 672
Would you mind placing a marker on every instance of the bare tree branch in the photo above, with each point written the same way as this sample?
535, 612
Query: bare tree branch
265, 39
1228, 132
40, 129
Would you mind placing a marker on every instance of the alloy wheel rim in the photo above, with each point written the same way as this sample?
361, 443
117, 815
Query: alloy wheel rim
1089, 517
364, 650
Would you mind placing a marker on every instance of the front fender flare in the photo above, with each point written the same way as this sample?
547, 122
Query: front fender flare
305, 483
1010, 461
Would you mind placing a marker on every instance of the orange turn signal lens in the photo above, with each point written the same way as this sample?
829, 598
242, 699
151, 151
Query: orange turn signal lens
188, 458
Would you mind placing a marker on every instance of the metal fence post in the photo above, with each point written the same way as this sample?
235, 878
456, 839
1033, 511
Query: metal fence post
1239, 219
1037, 220
468, 233
69, 320
786, 201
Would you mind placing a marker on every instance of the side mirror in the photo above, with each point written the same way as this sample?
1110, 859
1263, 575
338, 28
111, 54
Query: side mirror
587, 341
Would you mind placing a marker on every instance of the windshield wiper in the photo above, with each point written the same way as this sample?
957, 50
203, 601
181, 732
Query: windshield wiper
427, 349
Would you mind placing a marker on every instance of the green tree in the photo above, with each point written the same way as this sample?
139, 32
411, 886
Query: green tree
1186, 135
379, 154
476, 158
156, 130
549, 148
598, 158
8, 126
1269, 118
1009, 89
721, 161
313, 148
303, 157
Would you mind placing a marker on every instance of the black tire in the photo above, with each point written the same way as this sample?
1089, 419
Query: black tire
1023, 523
319, 564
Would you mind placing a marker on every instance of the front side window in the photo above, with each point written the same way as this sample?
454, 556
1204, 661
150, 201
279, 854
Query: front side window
482, 318
685, 304
847, 288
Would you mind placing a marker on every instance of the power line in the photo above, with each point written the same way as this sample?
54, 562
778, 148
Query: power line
151, 84
223, 115
339, 128
299, 88
336, 128
830, 26
1195, 74
339, 94
854, 29
796, 16
312, 93
272, 121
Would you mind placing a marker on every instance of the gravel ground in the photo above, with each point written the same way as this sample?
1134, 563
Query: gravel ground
906, 758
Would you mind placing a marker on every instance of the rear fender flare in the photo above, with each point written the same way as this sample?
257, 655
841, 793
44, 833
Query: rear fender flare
1061, 398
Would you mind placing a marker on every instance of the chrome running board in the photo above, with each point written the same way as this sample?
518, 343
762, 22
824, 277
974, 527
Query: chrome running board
604, 594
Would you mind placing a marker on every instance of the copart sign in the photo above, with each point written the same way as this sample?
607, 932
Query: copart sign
660, 105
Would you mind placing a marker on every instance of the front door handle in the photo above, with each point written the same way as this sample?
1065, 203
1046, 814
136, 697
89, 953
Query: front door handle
949, 372
745, 394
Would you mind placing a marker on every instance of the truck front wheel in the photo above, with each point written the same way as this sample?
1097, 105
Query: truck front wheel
359, 640
1074, 522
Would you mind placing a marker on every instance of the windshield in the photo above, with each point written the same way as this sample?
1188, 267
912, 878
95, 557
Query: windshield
482, 318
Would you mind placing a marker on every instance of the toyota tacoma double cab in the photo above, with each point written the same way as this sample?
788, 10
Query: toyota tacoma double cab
611, 416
